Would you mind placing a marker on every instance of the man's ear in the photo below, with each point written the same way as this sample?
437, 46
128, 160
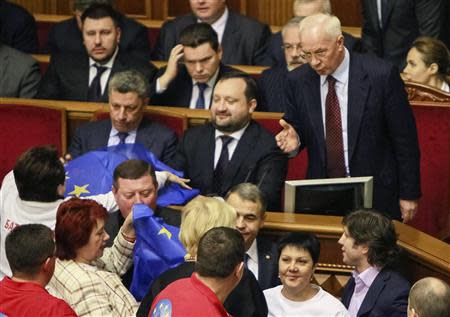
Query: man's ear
252, 105
239, 270
119, 34
61, 189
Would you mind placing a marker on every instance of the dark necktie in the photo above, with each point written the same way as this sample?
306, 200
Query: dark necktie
201, 96
246, 257
122, 136
95, 89
221, 163
384, 12
334, 143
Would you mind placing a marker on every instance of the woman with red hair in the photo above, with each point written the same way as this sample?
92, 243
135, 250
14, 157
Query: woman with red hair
86, 273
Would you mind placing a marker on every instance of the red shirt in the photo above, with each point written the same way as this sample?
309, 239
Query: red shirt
187, 297
30, 299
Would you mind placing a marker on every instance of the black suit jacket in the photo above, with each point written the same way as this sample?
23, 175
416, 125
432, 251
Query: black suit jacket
387, 296
256, 159
244, 40
275, 54
179, 91
67, 77
272, 89
246, 300
157, 138
382, 136
267, 263
17, 28
406, 20
66, 37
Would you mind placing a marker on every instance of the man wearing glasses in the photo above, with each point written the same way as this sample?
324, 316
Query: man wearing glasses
192, 71
352, 113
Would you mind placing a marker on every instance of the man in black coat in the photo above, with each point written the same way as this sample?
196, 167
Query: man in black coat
232, 148
193, 69
244, 40
85, 77
66, 36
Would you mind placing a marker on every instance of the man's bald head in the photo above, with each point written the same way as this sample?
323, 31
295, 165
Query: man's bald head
429, 297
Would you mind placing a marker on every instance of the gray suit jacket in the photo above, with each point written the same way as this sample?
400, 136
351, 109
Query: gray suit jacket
19, 74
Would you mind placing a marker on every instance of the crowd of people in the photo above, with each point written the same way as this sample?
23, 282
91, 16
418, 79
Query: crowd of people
343, 101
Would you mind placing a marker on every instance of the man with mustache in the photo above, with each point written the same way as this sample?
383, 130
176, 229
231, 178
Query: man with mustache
232, 148
193, 69
85, 76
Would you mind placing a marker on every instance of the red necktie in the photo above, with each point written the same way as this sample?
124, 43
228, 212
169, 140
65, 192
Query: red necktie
335, 145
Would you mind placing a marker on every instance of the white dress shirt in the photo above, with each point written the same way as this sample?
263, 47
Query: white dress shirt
106, 73
114, 137
207, 93
237, 135
252, 262
341, 74
219, 25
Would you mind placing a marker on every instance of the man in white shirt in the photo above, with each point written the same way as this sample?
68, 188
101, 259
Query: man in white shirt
244, 40
192, 71
261, 254
232, 148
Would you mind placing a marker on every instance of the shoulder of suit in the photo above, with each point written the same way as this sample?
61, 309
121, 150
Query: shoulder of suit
179, 22
161, 128
244, 22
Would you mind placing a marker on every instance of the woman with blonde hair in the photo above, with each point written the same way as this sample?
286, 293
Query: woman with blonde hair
198, 216
428, 63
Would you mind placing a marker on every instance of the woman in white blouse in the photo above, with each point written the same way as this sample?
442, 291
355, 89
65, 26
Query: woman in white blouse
297, 296
428, 63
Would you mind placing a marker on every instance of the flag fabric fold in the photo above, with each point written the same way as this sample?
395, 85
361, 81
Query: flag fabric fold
157, 249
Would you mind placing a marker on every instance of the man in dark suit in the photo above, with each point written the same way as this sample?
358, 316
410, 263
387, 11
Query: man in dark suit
301, 9
390, 27
261, 254
19, 73
232, 149
369, 243
128, 94
17, 28
191, 84
359, 103
85, 77
243, 39
66, 37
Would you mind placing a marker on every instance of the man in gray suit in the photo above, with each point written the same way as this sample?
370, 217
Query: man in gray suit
19, 73
128, 93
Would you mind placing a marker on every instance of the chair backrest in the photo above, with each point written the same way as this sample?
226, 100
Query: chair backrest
176, 121
419, 92
24, 126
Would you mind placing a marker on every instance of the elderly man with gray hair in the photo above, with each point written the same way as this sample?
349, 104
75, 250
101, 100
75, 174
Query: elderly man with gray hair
65, 36
128, 94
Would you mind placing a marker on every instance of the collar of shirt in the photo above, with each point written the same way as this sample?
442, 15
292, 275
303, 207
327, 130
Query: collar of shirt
219, 24
114, 138
207, 93
237, 135
106, 73
252, 262
341, 73
367, 276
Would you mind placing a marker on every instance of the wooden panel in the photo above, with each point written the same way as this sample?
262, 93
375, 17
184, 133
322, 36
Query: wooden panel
348, 11
272, 12
135, 8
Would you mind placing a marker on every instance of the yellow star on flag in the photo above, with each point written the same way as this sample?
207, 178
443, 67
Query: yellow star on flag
166, 232
80, 190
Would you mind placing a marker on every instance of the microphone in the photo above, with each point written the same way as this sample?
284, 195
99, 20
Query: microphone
249, 173
266, 170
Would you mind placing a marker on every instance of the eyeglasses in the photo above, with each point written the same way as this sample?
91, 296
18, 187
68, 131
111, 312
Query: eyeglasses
321, 53
290, 47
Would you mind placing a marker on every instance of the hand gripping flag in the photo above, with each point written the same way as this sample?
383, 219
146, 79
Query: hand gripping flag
157, 249
92, 173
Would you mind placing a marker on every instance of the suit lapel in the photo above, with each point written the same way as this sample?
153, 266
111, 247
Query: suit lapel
229, 38
314, 108
348, 292
79, 76
206, 155
358, 91
264, 266
391, 4
374, 291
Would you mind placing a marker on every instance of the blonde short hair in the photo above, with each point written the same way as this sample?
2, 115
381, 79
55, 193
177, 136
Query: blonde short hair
329, 24
200, 215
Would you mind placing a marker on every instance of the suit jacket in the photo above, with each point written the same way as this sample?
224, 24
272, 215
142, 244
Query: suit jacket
271, 88
67, 77
405, 21
382, 136
267, 263
387, 296
256, 159
66, 37
275, 54
19, 74
244, 40
246, 299
179, 91
157, 138
17, 28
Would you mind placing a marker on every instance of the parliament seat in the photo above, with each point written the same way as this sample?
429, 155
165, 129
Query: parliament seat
24, 126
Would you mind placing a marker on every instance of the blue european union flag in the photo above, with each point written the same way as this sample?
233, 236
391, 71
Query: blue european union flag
92, 173
157, 249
